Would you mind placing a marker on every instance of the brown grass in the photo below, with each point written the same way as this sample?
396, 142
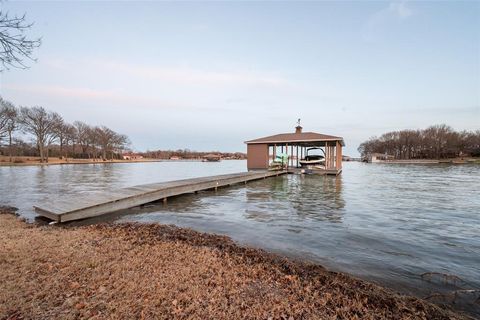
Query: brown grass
162, 272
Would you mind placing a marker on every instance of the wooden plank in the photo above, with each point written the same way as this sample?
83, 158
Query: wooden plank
91, 205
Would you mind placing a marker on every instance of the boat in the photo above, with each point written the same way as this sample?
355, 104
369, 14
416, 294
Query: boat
279, 162
312, 160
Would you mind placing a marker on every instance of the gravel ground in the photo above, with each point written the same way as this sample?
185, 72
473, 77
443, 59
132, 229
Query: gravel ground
155, 271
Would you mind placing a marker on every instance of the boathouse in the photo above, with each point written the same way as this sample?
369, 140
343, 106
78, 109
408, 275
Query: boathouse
297, 145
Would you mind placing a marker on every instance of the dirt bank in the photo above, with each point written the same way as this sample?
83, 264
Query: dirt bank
162, 272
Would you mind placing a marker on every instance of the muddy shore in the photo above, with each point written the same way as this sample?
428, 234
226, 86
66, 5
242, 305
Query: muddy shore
155, 271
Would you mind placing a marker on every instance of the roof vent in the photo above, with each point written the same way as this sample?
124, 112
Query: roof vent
298, 128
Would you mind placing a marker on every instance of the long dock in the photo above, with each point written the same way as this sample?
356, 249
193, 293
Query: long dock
98, 204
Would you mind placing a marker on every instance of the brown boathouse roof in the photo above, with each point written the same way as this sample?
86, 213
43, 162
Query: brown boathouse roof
298, 137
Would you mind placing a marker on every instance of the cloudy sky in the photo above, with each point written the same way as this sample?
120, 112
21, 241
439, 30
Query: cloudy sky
211, 75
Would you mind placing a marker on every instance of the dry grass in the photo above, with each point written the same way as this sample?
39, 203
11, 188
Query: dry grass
163, 272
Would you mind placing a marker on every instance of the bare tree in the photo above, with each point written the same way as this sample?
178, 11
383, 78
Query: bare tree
42, 124
55, 133
81, 135
439, 141
93, 139
68, 136
15, 47
3, 119
110, 142
106, 139
65, 133
52, 134
11, 116
120, 143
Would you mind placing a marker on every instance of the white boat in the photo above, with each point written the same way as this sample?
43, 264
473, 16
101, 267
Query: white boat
312, 160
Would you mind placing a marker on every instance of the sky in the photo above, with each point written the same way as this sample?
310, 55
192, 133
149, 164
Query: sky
211, 75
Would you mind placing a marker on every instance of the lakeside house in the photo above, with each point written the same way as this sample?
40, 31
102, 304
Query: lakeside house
379, 157
131, 156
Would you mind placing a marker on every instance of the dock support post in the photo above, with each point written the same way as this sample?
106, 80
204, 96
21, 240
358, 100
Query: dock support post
286, 151
297, 156
164, 200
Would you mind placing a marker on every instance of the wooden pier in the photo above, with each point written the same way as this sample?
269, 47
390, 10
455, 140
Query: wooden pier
87, 206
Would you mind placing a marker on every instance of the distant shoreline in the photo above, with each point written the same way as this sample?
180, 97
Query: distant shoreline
34, 161
431, 161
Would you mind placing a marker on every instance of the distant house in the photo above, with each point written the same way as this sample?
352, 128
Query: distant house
379, 157
212, 158
131, 156
175, 158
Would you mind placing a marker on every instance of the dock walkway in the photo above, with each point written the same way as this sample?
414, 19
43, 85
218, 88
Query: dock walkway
98, 204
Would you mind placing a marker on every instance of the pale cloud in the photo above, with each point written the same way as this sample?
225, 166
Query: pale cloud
400, 9
95, 97
191, 76
184, 75
379, 21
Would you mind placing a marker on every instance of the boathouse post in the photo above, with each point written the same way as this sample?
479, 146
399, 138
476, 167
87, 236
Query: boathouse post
297, 155
288, 158
339, 156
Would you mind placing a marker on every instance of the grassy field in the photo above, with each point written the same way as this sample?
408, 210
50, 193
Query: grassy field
163, 272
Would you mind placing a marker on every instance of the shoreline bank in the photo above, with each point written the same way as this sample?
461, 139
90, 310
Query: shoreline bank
57, 161
431, 161
158, 271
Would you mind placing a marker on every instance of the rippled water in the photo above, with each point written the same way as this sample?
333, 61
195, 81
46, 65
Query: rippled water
386, 223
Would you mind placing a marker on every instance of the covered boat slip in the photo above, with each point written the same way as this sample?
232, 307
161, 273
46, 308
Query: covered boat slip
261, 152
98, 204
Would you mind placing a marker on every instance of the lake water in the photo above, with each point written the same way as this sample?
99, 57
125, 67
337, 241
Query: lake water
384, 223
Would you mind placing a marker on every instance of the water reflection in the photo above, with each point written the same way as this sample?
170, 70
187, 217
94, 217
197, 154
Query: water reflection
299, 198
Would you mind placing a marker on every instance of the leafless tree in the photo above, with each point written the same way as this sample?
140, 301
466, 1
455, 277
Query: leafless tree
106, 140
43, 125
52, 134
439, 141
109, 141
69, 137
120, 143
10, 120
3, 119
65, 133
81, 135
93, 137
15, 47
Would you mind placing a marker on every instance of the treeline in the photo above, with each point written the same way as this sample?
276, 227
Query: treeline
435, 142
189, 154
53, 136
